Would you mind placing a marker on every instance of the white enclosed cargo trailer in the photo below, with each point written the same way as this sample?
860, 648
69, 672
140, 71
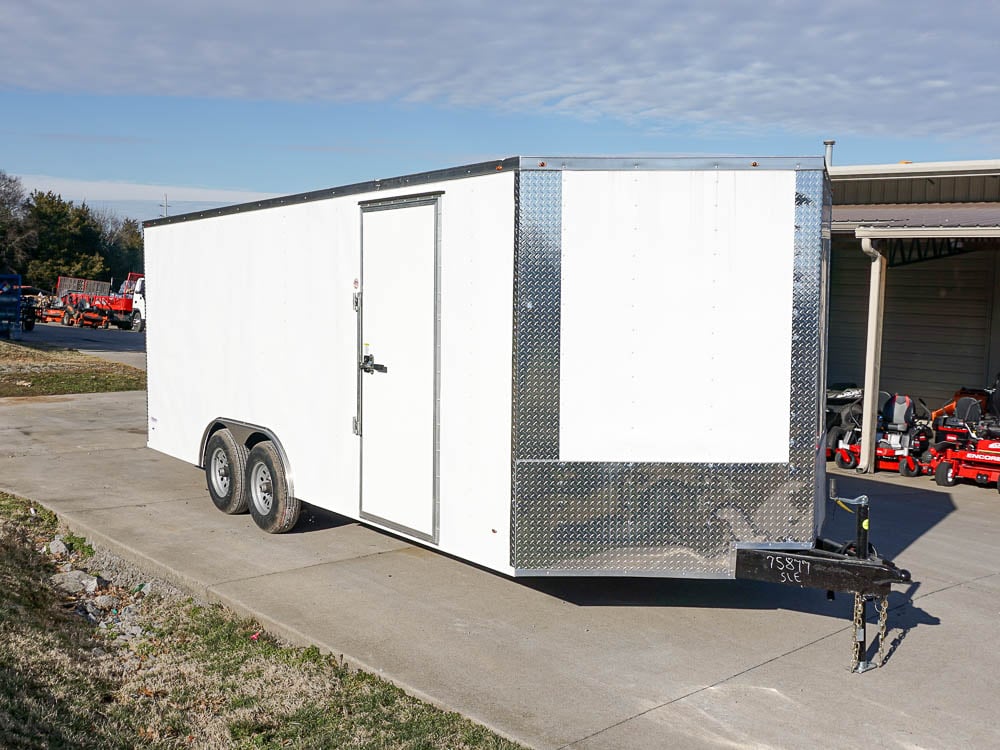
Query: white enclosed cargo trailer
540, 365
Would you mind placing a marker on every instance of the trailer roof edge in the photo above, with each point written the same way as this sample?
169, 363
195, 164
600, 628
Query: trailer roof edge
513, 163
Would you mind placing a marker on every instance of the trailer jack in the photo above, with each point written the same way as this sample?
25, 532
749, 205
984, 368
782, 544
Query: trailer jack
852, 567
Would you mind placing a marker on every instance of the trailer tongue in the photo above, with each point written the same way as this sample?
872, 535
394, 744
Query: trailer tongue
852, 567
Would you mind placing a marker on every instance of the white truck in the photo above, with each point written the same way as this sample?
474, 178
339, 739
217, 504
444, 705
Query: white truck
532, 364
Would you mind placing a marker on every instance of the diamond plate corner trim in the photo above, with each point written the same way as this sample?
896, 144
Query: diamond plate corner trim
677, 520
537, 301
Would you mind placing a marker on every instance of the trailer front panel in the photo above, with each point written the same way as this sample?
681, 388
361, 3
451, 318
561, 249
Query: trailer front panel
669, 339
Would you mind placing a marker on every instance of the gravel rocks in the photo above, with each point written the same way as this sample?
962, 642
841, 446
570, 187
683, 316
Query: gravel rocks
58, 547
75, 582
106, 590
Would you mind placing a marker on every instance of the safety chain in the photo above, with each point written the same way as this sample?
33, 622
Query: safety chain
883, 618
859, 622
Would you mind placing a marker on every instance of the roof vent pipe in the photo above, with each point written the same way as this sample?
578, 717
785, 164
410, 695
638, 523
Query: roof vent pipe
829, 153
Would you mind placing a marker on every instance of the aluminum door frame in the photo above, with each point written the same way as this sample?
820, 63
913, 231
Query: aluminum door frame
389, 204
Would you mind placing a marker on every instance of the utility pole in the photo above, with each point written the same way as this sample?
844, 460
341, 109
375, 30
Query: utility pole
165, 206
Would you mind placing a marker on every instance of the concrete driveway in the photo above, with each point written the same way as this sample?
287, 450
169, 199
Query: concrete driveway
559, 663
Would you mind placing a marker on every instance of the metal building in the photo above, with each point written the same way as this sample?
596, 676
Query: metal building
915, 279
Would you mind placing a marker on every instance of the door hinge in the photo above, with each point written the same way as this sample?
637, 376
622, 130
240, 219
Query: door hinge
355, 426
357, 301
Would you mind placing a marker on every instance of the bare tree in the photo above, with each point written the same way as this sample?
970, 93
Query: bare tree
13, 201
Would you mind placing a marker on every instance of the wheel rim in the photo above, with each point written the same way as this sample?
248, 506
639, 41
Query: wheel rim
261, 488
220, 472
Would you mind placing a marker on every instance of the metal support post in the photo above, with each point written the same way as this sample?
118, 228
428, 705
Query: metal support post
873, 355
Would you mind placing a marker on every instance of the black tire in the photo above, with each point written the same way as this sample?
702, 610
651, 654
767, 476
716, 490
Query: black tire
272, 506
909, 467
67, 320
138, 323
833, 439
28, 324
944, 474
845, 459
226, 472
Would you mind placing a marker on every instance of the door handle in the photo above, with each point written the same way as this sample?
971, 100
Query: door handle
369, 365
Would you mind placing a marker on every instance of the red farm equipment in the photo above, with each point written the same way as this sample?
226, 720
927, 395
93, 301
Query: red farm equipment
84, 302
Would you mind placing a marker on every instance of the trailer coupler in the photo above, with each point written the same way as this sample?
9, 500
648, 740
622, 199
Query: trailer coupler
853, 567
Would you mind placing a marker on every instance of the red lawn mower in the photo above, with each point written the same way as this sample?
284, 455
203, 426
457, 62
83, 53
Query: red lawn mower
968, 445
901, 440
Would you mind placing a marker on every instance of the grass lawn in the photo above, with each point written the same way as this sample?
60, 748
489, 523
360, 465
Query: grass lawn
37, 370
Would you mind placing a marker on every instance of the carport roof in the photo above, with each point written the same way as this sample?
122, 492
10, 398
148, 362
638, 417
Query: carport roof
927, 183
919, 219
910, 170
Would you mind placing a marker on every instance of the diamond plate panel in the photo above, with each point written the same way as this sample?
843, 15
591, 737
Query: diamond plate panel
653, 518
670, 519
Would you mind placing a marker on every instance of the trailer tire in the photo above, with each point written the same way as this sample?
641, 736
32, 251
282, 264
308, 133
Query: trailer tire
226, 471
138, 323
909, 467
944, 474
271, 505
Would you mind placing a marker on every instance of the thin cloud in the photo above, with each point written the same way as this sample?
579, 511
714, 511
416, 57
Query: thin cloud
926, 69
93, 191
89, 138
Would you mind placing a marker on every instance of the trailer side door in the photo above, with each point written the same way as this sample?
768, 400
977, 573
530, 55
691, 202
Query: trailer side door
398, 364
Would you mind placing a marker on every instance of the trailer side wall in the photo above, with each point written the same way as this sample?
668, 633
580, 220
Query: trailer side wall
252, 320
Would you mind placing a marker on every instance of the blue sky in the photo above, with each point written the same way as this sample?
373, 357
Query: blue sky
215, 101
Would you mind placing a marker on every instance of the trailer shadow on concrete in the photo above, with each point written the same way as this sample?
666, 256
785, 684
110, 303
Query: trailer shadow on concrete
900, 515
902, 511
312, 519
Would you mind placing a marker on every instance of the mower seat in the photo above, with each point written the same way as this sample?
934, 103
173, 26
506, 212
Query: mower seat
968, 410
898, 414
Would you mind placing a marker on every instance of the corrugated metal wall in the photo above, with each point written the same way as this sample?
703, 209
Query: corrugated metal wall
960, 188
937, 324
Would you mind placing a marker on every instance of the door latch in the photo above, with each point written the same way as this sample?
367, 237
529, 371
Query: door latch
369, 365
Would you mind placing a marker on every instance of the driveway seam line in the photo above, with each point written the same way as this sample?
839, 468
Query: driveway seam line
305, 567
703, 688
133, 505
764, 663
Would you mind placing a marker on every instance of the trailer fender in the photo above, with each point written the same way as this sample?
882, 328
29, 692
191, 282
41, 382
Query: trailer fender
248, 435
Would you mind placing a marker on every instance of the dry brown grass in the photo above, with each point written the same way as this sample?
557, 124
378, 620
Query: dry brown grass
198, 676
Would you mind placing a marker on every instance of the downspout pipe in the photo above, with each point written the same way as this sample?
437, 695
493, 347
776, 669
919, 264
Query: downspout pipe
873, 354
